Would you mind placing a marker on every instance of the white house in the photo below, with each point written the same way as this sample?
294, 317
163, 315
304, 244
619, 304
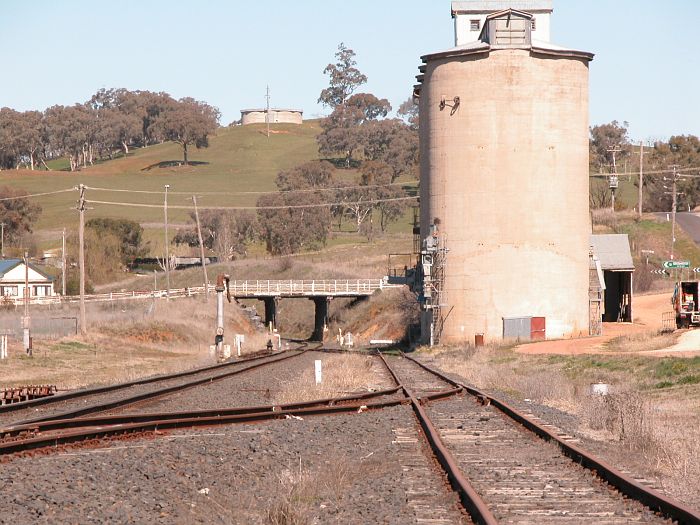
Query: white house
470, 15
12, 278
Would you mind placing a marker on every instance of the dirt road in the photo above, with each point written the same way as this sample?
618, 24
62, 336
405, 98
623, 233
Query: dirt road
647, 312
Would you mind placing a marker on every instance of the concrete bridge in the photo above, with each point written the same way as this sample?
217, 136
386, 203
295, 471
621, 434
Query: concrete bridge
319, 291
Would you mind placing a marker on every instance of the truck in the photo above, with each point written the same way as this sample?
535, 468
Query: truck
685, 303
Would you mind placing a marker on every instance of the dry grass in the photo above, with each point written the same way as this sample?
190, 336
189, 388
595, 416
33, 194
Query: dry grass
343, 375
641, 342
304, 491
126, 341
647, 429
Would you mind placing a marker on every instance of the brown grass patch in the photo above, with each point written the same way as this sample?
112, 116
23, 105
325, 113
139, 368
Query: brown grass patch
343, 375
641, 342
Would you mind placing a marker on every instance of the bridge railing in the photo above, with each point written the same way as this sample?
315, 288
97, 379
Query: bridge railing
242, 288
296, 287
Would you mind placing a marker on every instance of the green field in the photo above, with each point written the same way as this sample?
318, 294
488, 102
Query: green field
238, 159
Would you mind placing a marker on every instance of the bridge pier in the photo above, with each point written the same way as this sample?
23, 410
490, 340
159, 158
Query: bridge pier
320, 317
270, 311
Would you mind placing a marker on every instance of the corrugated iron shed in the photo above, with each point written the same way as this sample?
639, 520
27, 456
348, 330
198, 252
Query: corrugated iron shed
613, 251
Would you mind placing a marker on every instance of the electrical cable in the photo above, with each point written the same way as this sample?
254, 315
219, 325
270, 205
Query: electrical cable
306, 190
36, 195
223, 208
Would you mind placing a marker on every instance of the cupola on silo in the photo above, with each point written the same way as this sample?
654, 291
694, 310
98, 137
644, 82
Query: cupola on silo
505, 223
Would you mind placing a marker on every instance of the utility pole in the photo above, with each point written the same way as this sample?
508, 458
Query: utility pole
26, 321
63, 263
167, 242
674, 196
201, 250
641, 178
613, 181
267, 111
81, 257
2, 240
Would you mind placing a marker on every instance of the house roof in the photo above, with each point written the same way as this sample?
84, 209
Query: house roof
8, 264
613, 251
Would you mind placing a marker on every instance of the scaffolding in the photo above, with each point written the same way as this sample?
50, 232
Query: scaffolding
430, 287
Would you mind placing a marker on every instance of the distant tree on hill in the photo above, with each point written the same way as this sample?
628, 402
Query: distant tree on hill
312, 174
129, 233
290, 229
604, 138
226, 232
18, 213
188, 122
408, 111
343, 130
682, 151
345, 78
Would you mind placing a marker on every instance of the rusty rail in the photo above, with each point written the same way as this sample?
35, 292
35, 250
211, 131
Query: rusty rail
470, 499
190, 420
111, 388
654, 500
154, 394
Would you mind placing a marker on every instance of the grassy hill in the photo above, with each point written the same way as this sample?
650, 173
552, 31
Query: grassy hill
238, 159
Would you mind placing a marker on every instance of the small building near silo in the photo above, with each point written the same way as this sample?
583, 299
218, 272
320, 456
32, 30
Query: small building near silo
612, 261
276, 116
505, 224
470, 16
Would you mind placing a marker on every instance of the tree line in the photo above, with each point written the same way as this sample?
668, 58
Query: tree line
680, 150
110, 123
363, 153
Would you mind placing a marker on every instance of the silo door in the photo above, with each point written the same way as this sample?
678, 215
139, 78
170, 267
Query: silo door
517, 328
537, 329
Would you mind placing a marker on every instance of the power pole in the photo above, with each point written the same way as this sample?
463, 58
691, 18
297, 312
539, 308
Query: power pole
167, 242
641, 178
674, 196
201, 250
63, 263
2, 240
81, 257
267, 111
613, 182
26, 321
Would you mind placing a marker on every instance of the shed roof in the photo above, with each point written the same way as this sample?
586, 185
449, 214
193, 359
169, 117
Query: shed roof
489, 6
613, 251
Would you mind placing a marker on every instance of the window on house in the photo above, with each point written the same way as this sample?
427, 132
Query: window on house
474, 25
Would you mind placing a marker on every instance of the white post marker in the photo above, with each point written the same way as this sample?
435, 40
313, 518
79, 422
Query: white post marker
319, 375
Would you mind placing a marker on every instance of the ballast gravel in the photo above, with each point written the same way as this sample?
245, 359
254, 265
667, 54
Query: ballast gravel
331, 469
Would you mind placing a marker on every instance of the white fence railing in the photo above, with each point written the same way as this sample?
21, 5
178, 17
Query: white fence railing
248, 288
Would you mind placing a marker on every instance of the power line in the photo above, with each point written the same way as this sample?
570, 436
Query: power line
657, 172
36, 194
282, 207
269, 192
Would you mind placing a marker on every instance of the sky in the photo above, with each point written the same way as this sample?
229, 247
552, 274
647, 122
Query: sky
226, 52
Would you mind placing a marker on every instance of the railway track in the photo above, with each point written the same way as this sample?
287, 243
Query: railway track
84, 402
503, 466
508, 469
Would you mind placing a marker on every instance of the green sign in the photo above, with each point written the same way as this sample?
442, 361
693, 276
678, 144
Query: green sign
676, 264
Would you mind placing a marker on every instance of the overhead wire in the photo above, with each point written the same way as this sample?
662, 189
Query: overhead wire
35, 195
268, 192
280, 207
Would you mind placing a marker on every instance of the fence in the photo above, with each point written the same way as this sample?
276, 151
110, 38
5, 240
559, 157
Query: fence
41, 327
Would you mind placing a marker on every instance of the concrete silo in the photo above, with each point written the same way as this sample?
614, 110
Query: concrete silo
504, 186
